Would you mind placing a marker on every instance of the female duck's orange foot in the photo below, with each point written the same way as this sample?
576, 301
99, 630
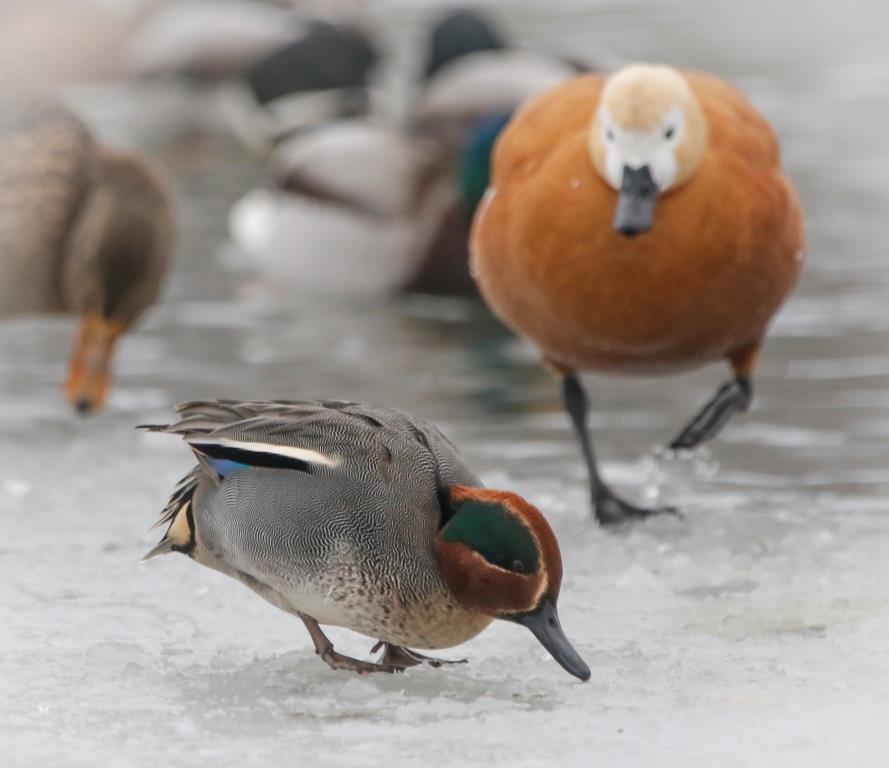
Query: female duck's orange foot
733, 397
399, 657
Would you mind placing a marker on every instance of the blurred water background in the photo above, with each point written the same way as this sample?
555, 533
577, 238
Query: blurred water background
752, 633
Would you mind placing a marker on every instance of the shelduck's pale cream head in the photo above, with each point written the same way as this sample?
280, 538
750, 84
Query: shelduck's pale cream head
648, 136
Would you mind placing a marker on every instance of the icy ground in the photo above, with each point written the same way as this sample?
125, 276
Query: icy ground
754, 633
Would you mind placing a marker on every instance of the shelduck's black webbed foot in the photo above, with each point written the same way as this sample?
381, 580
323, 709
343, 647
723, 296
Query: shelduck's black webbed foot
611, 510
733, 397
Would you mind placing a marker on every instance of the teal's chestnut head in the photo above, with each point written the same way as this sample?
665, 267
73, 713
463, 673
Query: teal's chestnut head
499, 556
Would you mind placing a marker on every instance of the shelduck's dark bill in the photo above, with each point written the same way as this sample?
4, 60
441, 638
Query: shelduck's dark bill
545, 625
636, 201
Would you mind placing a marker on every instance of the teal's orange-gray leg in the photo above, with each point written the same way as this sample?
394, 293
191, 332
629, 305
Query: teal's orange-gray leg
336, 660
399, 656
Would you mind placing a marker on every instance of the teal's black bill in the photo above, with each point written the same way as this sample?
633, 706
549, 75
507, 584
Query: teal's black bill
545, 625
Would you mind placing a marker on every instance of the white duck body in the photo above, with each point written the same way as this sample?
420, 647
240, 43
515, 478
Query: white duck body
193, 38
361, 203
342, 222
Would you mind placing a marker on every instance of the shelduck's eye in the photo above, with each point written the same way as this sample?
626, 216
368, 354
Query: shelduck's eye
609, 134
518, 566
669, 133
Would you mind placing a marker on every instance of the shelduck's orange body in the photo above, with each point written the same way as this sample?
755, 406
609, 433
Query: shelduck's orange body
723, 252
688, 269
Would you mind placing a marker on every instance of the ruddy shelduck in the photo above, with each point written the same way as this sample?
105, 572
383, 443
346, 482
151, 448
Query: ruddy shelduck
640, 223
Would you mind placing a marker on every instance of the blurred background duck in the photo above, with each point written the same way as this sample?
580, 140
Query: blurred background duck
202, 41
84, 229
252, 69
375, 205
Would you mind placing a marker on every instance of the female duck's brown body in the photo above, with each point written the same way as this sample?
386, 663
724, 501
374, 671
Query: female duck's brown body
83, 229
722, 252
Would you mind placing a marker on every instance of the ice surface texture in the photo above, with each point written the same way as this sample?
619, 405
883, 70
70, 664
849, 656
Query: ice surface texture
753, 634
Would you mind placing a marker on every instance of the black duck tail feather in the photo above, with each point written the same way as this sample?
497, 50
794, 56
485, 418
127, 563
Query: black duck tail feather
179, 518
182, 495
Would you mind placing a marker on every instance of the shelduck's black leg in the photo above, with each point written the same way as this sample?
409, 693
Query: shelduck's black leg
732, 397
735, 396
608, 507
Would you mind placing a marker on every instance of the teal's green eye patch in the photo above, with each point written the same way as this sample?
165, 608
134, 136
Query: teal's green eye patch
496, 534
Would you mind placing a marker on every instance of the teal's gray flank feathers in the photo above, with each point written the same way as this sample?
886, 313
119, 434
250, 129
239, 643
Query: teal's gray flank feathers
333, 513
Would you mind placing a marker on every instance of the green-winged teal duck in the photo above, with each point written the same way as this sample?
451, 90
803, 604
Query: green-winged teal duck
366, 518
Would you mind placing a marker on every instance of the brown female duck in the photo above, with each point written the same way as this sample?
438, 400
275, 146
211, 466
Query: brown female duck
83, 229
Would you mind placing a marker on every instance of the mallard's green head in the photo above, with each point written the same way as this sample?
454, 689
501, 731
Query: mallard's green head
499, 556
475, 168
460, 33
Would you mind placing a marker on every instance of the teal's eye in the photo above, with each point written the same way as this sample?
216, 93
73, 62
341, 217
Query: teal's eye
669, 133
